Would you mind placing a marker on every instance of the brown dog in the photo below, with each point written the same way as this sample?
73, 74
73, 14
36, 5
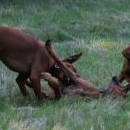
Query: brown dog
79, 86
71, 89
114, 89
125, 72
29, 57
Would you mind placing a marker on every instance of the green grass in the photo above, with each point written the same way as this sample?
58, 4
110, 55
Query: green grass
98, 28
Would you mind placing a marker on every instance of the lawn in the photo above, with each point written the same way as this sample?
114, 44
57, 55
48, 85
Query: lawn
98, 28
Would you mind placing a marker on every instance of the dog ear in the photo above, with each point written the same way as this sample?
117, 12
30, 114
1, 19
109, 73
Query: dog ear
73, 58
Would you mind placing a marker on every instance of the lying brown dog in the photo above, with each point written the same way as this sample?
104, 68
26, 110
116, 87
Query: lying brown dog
71, 89
114, 89
80, 86
29, 58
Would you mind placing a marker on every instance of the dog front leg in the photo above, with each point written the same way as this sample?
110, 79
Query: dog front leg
53, 83
21, 80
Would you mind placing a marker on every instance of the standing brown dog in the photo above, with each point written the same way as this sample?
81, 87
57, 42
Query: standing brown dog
29, 57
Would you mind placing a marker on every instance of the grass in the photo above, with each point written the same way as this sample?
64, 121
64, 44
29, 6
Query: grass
98, 28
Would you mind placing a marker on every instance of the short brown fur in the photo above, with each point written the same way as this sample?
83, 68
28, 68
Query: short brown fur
28, 56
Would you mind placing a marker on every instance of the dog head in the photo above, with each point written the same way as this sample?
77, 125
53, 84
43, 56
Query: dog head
57, 72
126, 53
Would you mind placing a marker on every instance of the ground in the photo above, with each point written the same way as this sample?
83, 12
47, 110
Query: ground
98, 28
